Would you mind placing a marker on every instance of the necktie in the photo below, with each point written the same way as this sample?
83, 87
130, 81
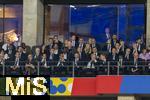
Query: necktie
80, 46
113, 56
73, 43
51, 56
80, 55
139, 47
45, 64
127, 56
16, 62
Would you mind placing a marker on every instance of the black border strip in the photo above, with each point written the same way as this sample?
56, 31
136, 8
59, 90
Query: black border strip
11, 1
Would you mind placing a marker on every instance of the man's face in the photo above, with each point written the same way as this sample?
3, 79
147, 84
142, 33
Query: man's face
93, 57
37, 50
20, 49
114, 37
30, 57
62, 56
17, 55
81, 40
50, 41
94, 50
102, 57
113, 50
88, 46
73, 37
128, 51
139, 41
134, 45
76, 55
69, 44
107, 30
56, 39
66, 42
93, 41
117, 45
122, 42
90, 40
79, 50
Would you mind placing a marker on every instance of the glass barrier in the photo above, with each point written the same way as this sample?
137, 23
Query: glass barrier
76, 69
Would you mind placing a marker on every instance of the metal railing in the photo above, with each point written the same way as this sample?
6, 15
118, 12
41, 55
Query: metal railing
79, 69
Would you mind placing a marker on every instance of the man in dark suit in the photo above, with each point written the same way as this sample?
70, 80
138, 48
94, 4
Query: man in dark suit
15, 65
11, 50
51, 56
92, 64
23, 55
56, 52
94, 51
123, 46
136, 64
91, 67
71, 51
113, 56
30, 66
94, 44
117, 46
74, 41
44, 65
134, 48
37, 55
102, 68
140, 45
81, 43
49, 46
113, 59
56, 41
127, 57
81, 55
78, 64
114, 40
107, 46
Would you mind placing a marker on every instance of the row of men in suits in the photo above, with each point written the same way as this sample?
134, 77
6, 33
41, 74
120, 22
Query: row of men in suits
95, 61
54, 52
71, 46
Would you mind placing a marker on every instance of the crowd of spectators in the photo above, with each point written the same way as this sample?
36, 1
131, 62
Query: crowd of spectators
133, 58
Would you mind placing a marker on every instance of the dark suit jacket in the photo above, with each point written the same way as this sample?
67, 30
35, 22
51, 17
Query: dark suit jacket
12, 62
71, 54
112, 61
37, 58
24, 56
54, 58
86, 56
62, 64
12, 55
112, 42
127, 61
47, 48
47, 62
102, 63
33, 62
